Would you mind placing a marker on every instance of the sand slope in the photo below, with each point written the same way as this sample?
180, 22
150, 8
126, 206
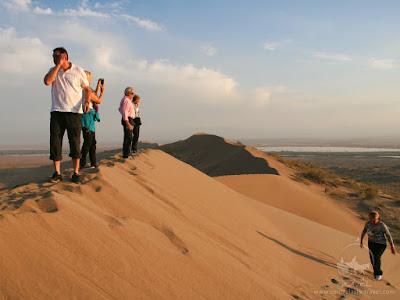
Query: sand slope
156, 228
210, 154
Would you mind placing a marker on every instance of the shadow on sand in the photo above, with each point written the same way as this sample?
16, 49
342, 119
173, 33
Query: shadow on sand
305, 255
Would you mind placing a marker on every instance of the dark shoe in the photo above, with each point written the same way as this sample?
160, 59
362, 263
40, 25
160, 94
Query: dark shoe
95, 165
75, 178
84, 167
124, 156
56, 177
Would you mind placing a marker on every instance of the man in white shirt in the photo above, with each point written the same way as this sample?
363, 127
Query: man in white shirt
67, 82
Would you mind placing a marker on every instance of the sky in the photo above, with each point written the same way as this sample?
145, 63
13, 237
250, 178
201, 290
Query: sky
257, 69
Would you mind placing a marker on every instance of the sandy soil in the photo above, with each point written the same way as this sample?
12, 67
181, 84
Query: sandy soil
154, 227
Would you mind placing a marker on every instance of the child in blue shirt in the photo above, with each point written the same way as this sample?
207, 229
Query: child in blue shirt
88, 125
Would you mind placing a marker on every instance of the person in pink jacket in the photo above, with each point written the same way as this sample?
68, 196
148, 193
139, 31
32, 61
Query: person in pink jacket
129, 113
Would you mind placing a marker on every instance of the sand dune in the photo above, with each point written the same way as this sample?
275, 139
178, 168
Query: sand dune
216, 156
204, 152
156, 228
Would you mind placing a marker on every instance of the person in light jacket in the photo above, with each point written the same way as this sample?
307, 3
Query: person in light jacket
378, 235
130, 115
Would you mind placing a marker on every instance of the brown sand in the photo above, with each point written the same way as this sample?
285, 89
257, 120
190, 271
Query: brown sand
8, 162
156, 228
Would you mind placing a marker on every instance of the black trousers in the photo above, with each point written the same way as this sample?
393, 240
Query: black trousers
375, 253
59, 122
131, 138
89, 146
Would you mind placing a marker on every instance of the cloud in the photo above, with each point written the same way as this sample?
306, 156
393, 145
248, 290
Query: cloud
17, 5
209, 50
263, 95
206, 85
103, 59
40, 11
271, 46
331, 56
116, 5
82, 12
383, 64
110, 10
15, 57
146, 24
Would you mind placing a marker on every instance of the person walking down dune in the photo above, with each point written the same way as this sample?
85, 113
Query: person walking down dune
88, 124
67, 81
378, 235
128, 113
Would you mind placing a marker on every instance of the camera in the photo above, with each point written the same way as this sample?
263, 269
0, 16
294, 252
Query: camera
102, 80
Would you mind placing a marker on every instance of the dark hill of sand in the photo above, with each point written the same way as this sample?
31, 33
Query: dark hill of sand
216, 156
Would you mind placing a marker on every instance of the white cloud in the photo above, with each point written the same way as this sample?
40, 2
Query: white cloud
146, 24
17, 5
111, 10
21, 55
383, 64
209, 50
111, 5
263, 95
274, 45
271, 46
82, 12
103, 59
40, 11
332, 56
205, 84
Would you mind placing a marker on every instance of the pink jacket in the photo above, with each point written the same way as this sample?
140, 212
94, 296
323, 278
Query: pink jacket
126, 109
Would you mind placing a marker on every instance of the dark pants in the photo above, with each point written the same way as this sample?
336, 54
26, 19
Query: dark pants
131, 138
59, 122
375, 253
89, 146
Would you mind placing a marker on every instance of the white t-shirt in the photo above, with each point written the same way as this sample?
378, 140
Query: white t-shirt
136, 108
66, 90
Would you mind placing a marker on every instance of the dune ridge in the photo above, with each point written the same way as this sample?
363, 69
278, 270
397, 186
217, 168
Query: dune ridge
215, 156
155, 227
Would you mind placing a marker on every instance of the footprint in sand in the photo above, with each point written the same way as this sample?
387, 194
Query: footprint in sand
113, 222
174, 239
72, 188
335, 281
48, 205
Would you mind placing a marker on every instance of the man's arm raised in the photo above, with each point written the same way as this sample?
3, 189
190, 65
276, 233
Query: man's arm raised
51, 76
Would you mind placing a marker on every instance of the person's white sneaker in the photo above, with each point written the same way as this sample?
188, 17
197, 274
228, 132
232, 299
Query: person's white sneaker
378, 277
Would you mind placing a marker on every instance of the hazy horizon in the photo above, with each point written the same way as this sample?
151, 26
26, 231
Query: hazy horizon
305, 142
241, 70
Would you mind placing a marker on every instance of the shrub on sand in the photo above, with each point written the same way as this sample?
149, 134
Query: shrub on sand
239, 143
336, 193
371, 191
